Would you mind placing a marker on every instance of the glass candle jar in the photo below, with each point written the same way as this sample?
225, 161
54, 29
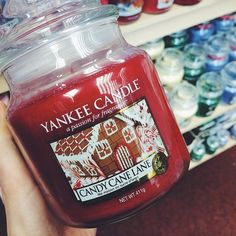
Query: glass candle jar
89, 115
177, 40
231, 37
224, 23
233, 132
198, 151
129, 11
217, 50
223, 137
154, 48
187, 2
194, 62
202, 32
229, 77
170, 67
210, 88
157, 6
184, 103
212, 144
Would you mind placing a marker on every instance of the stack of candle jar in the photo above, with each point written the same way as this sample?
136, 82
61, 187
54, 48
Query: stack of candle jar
201, 59
209, 137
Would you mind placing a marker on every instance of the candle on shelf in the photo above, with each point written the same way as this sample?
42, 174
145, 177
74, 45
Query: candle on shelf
184, 103
170, 67
157, 6
194, 62
228, 75
217, 50
210, 88
154, 48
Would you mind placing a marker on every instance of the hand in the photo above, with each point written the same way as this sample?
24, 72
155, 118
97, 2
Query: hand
26, 211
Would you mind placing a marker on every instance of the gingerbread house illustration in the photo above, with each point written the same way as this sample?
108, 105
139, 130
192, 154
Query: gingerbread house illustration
109, 147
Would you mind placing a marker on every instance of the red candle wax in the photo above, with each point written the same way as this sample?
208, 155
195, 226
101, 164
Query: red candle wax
157, 6
104, 146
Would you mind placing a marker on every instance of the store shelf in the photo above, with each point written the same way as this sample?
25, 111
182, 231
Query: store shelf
197, 121
149, 27
230, 144
3, 85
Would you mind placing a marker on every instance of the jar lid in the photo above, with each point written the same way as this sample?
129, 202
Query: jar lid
184, 95
44, 21
171, 59
194, 56
229, 74
210, 85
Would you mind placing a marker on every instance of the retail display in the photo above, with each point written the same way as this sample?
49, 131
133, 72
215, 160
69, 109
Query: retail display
96, 158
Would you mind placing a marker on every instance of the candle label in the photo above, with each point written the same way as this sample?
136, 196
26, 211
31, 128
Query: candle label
118, 152
130, 9
162, 4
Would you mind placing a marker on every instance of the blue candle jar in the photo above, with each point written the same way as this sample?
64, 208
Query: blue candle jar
223, 137
217, 50
228, 75
224, 23
231, 37
201, 33
210, 88
233, 131
194, 62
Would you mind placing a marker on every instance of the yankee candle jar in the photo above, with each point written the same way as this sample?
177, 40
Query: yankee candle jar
90, 117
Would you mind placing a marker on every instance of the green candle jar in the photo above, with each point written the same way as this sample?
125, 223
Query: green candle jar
194, 61
210, 88
212, 144
198, 151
